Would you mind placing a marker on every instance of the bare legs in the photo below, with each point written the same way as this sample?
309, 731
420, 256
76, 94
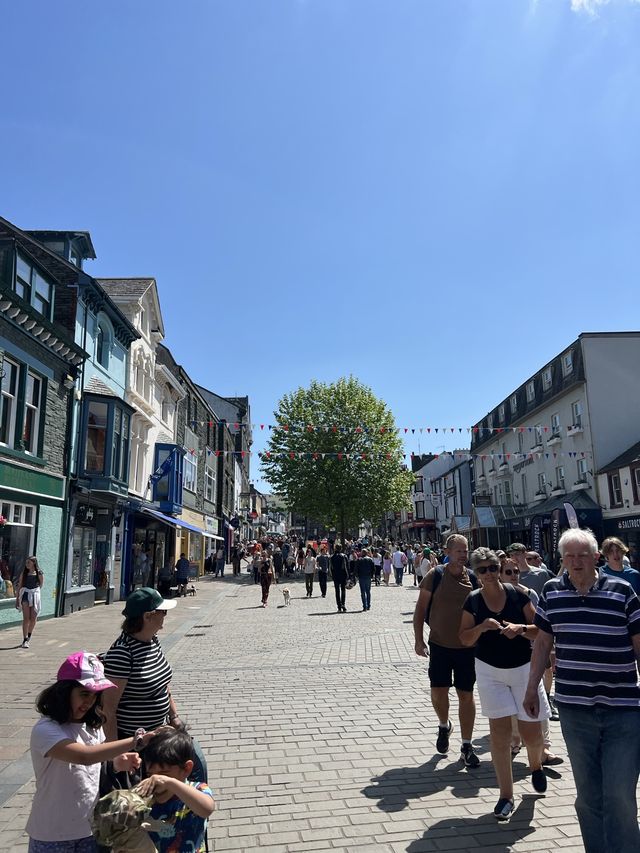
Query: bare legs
29, 618
500, 730
466, 709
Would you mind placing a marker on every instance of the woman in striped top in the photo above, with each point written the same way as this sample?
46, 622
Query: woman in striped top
136, 664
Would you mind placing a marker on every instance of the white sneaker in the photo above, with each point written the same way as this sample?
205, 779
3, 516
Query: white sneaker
25, 644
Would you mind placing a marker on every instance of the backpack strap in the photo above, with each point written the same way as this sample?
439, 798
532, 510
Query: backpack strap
438, 573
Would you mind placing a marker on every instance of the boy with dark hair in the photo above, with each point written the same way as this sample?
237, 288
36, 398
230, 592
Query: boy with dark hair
183, 806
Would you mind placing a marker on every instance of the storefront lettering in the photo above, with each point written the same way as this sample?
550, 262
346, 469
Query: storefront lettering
523, 464
629, 523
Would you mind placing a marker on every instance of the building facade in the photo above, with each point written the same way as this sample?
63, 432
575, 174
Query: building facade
539, 448
39, 363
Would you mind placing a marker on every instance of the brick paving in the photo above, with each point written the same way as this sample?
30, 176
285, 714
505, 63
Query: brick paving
316, 726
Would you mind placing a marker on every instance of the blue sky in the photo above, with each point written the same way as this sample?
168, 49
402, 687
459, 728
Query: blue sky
434, 195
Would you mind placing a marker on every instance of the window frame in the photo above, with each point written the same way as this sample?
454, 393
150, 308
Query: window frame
582, 464
547, 378
555, 424
560, 477
14, 398
615, 475
32, 295
501, 413
210, 477
32, 413
576, 414
531, 391
190, 470
567, 363
513, 403
419, 510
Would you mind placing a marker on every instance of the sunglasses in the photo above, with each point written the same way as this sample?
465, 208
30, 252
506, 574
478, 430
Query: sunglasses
482, 570
510, 572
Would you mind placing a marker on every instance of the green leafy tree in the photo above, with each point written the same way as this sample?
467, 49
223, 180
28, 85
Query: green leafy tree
335, 454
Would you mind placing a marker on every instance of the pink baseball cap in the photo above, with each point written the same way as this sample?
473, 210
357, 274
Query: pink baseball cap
87, 670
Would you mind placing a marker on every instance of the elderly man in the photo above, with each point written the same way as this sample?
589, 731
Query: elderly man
595, 620
442, 592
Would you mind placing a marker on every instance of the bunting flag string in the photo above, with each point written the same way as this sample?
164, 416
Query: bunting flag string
500, 458
477, 431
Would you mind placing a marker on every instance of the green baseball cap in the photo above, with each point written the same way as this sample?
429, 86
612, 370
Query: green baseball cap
145, 600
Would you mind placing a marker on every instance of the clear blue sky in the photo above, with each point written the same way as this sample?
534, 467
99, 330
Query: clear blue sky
433, 195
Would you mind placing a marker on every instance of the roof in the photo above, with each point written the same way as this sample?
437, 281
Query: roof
127, 288
82, 237
97, 386
579, 499
627, 458
225, 408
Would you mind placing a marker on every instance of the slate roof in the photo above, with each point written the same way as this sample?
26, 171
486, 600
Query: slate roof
97, 386
627, 458
127, 288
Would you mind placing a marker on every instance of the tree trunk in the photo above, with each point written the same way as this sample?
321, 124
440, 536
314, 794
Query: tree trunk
343, 530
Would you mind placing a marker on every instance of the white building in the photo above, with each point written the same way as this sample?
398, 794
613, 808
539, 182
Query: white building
437, 496
540, 447
619, 489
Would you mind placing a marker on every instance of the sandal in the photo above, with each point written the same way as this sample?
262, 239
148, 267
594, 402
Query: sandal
515, 749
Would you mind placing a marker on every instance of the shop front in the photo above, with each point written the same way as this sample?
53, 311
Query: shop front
626, 528
211, 533
32, 511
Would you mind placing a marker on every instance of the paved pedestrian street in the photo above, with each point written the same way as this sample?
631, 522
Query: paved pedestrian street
316, 726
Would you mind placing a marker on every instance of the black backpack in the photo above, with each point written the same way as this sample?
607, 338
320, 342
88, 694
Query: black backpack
437, 577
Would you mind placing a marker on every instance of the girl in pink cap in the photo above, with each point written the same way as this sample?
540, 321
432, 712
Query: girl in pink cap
67, 748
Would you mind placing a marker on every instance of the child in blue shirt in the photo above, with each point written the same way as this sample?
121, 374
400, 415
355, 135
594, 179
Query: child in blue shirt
184, 806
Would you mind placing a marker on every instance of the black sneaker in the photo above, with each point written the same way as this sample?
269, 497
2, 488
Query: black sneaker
468, 755
503, 809
444, 733
555, 716
539, 781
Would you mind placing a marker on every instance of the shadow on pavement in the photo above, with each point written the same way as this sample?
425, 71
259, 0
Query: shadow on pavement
500, 837
10, 648
334, 613
396, 787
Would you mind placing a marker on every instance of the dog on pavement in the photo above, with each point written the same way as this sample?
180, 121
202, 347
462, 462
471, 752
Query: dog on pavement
287, 596
191, 590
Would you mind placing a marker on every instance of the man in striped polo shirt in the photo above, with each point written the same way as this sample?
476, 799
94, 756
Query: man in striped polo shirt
595, 621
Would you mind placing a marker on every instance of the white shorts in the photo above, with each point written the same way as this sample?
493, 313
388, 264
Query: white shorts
501, 692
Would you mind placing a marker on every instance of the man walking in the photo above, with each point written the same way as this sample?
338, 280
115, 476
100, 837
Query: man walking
339, 573
530, 577
398, 561
595, 621
365, 569
183, 568
442, 593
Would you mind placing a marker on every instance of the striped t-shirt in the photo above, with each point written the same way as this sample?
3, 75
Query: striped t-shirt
145, 700
595, 661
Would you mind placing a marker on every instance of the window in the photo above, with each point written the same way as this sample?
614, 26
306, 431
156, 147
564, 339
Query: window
615, 489
103, 345
84, 547
514, 404
210, 478
120, 445
555, 425
8, 401
537, 431
419, 509
507, 492
490, 422
576, 414
501, 413
33, 287
167, 405
542, 482
567, 363
16, 542
635, 481
31, 430
520, 442
560, 477
419, 486
96, 443
190, 472
531, 391
547, 378
523, 486
496, 494
582, 469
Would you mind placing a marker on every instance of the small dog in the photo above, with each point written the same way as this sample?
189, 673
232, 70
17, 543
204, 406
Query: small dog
287, 596
191, 590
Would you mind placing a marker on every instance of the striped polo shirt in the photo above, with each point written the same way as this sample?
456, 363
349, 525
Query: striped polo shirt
595, 661
145, 700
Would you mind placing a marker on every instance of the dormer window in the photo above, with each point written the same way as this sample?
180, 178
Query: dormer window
490, 422
567, 363
514, 404
501, 414
547, 377
33, 287
531, 391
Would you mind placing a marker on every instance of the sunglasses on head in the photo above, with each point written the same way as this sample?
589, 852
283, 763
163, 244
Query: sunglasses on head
482, 570
511, 572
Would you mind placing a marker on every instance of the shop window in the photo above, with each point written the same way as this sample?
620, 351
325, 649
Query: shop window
16, 544
84, 547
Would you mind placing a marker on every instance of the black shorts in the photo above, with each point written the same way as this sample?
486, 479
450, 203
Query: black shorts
452, 666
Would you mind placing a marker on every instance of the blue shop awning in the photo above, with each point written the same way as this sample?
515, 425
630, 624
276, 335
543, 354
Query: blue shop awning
169, 519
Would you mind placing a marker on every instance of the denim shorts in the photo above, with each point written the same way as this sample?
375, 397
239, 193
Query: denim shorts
80, 845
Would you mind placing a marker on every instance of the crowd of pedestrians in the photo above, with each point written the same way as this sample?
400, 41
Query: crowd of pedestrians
496, 624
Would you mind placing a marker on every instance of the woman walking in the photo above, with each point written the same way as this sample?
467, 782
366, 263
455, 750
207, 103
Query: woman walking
386, 567
310, 564
377, 566
497, 619
256, 562
28, 598
266, 579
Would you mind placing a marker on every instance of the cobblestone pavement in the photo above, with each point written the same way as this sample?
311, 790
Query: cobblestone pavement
316, 725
